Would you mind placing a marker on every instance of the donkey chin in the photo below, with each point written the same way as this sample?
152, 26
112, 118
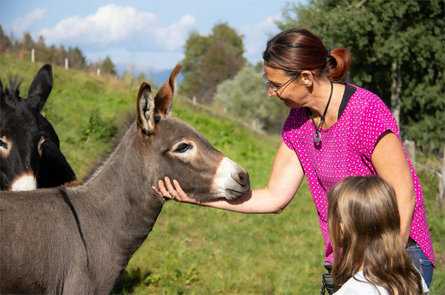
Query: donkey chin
231, 181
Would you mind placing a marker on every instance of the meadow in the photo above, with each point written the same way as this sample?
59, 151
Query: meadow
197, 250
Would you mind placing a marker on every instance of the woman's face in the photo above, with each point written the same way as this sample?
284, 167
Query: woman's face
289, 89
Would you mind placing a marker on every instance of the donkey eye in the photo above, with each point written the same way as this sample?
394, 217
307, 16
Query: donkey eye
3, 143
182, 148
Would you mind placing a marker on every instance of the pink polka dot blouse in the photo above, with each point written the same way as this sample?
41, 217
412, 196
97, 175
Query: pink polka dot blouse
345, 150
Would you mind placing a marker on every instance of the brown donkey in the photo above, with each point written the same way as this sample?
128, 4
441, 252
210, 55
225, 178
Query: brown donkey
77, 240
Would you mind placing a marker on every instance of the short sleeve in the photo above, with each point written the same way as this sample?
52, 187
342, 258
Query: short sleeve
376, 120
292, 127
289, 125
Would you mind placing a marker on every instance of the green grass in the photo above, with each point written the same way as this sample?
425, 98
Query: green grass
197, 250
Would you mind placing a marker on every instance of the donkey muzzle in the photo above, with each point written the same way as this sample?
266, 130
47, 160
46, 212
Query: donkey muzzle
231, 181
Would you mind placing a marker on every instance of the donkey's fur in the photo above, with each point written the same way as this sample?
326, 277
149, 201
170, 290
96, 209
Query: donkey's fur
30, 155
77, 240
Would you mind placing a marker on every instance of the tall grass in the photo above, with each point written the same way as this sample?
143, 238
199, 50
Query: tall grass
197, 250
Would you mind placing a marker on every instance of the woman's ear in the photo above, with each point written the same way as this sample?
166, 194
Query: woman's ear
308, 78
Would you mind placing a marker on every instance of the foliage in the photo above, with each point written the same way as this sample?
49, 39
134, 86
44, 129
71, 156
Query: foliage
76, 58
209, 60
5, 41
243, 97
27, 43
108, 67
398, 53
103, 130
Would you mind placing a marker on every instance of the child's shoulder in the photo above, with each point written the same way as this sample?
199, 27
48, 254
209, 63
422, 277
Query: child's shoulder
359, 285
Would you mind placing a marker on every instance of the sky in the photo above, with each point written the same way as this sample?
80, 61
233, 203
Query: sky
148, 35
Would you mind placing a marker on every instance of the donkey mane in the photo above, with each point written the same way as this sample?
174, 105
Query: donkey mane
127, 122
13, 92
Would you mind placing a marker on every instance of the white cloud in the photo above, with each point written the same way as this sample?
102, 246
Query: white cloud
256, 37
175, 35
122, 27
28, 22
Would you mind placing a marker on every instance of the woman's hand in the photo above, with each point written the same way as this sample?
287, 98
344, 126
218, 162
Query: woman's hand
172, 191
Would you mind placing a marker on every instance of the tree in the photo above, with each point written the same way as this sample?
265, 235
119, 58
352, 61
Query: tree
60, 55
5, 42
209, 60
398, 52
107, 66
42, 52
27, 43
244, 97
76, 58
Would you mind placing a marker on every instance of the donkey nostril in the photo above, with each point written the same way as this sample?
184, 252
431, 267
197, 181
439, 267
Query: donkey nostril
243, 178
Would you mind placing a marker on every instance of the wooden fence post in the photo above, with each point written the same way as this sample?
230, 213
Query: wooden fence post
441, 194
410, 147
32, 55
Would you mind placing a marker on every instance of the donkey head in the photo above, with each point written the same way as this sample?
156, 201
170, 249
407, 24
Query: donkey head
29, 147
178, 151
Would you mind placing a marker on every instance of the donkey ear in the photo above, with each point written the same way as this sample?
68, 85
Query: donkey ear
145, 116
164, 96
40, 88
2, 93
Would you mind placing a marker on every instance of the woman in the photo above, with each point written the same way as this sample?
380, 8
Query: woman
333, 131
364, 227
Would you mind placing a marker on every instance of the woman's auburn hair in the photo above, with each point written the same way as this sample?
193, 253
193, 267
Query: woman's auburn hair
369, 233
297, 49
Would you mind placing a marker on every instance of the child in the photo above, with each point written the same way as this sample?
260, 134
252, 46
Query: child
364, 228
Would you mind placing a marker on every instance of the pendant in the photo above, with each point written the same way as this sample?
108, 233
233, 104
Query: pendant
317, 136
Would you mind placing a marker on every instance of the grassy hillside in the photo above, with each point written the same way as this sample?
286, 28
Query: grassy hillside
196, 250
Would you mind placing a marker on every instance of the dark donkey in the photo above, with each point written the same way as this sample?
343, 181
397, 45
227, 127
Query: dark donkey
77, 240
30, 155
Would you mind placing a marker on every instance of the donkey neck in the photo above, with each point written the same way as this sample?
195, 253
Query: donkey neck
121, 196
123, 173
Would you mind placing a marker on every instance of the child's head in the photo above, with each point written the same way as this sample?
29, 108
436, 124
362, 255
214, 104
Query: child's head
364, 228
362, 210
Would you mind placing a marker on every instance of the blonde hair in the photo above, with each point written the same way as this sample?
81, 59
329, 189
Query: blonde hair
364, 228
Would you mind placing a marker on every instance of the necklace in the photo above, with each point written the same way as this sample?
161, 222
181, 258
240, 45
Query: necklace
317, 134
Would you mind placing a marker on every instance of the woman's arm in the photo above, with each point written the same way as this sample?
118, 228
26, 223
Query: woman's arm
390, 163
284, 181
